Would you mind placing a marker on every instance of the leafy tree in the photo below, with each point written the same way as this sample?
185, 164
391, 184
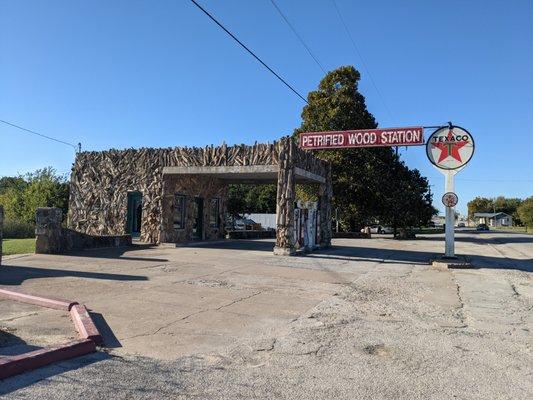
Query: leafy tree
525, 212
22, 195
478, 205
245, 198
498, 204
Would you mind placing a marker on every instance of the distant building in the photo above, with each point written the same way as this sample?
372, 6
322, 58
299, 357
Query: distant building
494, 219
438, 220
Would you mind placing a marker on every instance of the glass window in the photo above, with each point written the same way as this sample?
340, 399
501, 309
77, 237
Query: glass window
179, 211
214, 213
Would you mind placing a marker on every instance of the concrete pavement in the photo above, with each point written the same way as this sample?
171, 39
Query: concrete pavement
366, 319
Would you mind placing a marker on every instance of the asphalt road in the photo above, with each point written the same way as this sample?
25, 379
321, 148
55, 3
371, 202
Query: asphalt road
397, 329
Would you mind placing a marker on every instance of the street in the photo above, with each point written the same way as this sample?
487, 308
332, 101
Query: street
367, 319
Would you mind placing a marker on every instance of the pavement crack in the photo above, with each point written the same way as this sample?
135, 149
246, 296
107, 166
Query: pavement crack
18, 317
238, 300
155, 332
461, 308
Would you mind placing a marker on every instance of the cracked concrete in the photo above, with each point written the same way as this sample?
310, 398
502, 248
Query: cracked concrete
368, 319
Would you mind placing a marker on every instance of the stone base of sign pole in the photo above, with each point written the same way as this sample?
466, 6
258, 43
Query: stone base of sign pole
284, 251
459, 262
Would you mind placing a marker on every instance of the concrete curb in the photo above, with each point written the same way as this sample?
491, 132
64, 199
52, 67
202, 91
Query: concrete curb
88, 333
84, 324
14, 365
57, 304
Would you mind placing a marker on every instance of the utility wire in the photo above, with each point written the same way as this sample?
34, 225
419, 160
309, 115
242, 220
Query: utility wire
248, 50
41, 135
298, 36
362, 59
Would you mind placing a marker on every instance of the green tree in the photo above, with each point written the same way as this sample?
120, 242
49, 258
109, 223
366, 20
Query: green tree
244, 198
479, 205
22, 195
525, 212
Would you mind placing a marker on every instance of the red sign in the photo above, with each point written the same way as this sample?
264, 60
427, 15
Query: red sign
410, 136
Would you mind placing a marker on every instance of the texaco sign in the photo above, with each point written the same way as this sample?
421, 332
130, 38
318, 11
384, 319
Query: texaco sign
450, 148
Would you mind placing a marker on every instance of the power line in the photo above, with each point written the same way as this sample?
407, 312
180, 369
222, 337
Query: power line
248, 50
362, 59
298, 36
78, 147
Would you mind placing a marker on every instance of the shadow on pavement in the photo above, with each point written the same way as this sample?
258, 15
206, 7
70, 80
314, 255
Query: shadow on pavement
15, 275
110, 340
249, 245
119, 253
416, 257
17, 382
12, 345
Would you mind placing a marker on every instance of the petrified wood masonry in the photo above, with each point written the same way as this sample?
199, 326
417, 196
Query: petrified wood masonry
100, 183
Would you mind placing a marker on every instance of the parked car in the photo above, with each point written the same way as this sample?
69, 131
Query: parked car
378, 229
461, 225
244, 224
482, 227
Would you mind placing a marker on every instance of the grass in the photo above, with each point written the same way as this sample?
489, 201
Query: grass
515, 229
18, 246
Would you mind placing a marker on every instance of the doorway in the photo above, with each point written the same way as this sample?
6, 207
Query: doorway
197, 230
135, 209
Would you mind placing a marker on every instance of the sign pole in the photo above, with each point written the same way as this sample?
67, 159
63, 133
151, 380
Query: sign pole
449, 249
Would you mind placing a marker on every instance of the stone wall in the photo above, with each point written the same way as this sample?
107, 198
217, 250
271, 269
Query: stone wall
52, 238
192, 187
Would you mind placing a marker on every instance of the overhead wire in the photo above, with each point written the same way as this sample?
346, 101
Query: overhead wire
249, 51
298, 36
41, 135
358, 53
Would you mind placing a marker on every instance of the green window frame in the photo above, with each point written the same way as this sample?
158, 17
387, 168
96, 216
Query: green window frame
178, 215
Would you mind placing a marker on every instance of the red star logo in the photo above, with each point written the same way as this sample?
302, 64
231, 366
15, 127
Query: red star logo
449, 148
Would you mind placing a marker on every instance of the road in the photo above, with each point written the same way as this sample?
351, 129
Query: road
368, 319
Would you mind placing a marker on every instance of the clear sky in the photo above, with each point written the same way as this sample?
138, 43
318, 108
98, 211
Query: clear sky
160, 73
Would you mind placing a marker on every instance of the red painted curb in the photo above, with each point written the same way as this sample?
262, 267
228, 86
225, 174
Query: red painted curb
58, 304
13, 365
84, 324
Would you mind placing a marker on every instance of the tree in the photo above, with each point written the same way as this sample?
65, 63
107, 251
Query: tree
525, 212
479, 205
493, 205
367, 182
22, 195
244, 198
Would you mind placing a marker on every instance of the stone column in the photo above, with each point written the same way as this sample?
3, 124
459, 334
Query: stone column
1, 230
48, 230
326, 195
285, 199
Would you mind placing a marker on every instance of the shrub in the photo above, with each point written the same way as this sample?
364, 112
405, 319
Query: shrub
14, 229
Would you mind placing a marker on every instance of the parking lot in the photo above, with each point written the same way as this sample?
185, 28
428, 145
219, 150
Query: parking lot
368, 318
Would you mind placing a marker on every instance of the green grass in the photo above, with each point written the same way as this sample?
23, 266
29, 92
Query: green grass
515, 229
18, 246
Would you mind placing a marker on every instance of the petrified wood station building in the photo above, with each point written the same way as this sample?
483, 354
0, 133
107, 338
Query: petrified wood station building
179, 194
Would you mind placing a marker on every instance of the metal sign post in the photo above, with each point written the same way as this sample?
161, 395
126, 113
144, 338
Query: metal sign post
449, 149
449, 200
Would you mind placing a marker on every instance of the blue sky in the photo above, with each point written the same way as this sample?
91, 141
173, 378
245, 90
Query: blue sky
142, 73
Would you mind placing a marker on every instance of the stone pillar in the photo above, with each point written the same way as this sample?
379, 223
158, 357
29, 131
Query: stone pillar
325, 195
285, 199
1, 230
48, 230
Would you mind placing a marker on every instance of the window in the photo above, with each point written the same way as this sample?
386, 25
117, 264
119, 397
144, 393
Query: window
214, 213
179, 211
